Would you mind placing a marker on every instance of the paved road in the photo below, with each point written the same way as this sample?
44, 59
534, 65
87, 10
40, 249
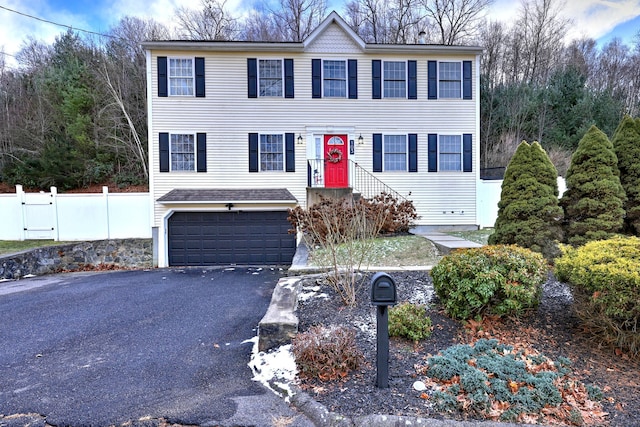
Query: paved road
104, 348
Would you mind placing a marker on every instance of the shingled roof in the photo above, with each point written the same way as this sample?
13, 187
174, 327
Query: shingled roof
219, 195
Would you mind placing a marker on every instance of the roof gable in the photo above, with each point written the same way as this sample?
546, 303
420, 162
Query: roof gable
333, 29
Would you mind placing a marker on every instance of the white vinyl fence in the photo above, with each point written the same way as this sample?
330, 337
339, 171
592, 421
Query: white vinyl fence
489, 196
69, 217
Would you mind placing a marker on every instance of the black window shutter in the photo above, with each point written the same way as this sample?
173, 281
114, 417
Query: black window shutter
413, 152
353, 78
253, 152
164, 152
202, 152
252, 77
467, 150
316, 78
432, 77
412, 71
466, 79
433, 152
290, 152
376, 79
288, 78
162, 76
200, 77
377, 152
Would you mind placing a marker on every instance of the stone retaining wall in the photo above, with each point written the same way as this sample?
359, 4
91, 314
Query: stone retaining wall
132, 253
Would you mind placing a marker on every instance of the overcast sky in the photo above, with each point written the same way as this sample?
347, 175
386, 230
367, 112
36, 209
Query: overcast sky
598, 19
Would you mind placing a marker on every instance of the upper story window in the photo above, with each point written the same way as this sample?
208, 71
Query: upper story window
334, 75
395, 79
181, 76
271, 152
270, 77
334, 78
395, 152
450, 79
183, 153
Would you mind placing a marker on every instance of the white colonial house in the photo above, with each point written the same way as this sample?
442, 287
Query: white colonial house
241, 131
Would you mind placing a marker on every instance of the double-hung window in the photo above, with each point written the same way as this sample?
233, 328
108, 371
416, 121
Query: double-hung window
395, 152
395, 79
270, 77
450, 79
271, 152
334, 74
181, 76
183, 153
450, 152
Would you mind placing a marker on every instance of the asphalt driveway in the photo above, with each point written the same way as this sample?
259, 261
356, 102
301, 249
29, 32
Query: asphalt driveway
106, 348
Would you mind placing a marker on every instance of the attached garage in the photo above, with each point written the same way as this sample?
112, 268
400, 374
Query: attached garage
249, 231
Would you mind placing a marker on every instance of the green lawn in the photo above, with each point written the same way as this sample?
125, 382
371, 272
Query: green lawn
388, 251
13, 246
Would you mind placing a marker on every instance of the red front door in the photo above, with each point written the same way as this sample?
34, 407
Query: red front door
336, 164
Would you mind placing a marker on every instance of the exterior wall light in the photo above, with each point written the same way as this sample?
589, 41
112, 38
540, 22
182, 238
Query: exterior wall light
299, 139
360, 140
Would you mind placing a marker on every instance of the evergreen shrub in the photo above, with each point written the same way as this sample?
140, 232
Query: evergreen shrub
528, 211
626, 143
409, 321
605, 278
593, 201
498, 280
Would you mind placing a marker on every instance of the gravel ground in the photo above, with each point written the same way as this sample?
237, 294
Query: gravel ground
551, 329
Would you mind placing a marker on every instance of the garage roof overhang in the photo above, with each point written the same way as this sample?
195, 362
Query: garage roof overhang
226, 196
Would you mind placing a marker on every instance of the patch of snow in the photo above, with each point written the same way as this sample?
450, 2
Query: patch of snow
5, 280
366, 328
229, 269
274, 368
304, 296
422, 294
27, 276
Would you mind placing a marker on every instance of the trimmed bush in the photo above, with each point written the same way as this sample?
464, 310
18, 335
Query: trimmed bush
606, 288
593, 201
326, 353
498, 280
528, 211
626, 143
409, 321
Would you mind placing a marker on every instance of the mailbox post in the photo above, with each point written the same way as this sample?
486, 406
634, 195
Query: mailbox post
383, 294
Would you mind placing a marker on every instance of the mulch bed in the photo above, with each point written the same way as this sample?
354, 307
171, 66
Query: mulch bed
552, 329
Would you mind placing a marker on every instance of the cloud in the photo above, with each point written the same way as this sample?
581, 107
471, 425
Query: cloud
595, 18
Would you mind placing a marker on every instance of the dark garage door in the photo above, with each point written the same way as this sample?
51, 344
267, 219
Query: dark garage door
223, 238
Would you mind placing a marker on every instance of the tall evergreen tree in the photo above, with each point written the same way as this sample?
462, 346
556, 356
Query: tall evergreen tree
594, 199
528, 211
626, 144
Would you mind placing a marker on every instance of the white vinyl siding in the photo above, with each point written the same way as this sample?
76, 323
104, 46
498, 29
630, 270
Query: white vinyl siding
227, 116
181, 76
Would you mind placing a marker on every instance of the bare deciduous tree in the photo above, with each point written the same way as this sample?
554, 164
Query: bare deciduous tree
212, 22
457, 21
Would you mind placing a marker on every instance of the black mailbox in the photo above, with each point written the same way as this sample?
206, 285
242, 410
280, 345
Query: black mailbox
383, 290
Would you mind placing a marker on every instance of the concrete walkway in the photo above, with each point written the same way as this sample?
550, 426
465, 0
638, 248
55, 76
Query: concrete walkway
444, 242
